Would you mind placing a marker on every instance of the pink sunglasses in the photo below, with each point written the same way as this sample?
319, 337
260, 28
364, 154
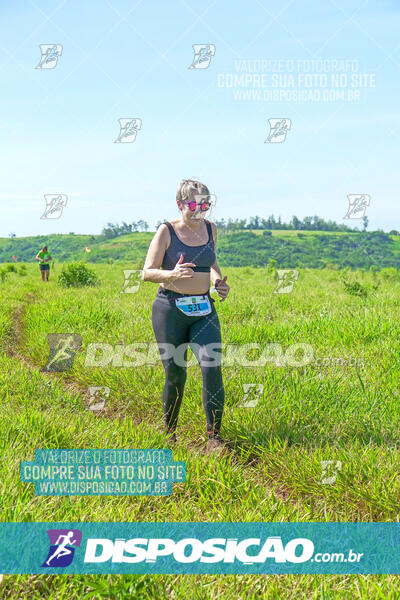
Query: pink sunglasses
203, 205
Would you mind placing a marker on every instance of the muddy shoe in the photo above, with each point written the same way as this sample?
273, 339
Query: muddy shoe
215, 444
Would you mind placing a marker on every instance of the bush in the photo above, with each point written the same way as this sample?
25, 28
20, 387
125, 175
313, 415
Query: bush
3, 275
354, 288
11, 268
77, 275
22, 270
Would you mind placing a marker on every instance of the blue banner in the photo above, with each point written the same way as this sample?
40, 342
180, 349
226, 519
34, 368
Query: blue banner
215, 548
103, 472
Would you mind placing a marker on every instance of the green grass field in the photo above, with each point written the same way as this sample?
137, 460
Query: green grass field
343, 406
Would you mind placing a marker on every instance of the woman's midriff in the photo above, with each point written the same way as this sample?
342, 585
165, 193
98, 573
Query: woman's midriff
198, 284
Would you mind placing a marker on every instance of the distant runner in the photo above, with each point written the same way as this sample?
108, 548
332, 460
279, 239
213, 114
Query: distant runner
43, 256
181, 257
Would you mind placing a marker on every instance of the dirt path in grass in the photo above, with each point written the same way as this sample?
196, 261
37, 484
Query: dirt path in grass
14, 343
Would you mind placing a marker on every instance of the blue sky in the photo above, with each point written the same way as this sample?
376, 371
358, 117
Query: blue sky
125, 59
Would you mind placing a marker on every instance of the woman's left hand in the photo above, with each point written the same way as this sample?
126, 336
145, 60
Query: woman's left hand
222, 288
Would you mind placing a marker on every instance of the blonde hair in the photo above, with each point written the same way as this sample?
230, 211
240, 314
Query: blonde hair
188, 188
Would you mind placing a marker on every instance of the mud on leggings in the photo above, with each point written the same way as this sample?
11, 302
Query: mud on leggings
171, 326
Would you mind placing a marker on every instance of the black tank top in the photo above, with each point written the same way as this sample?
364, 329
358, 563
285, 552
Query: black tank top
202, 256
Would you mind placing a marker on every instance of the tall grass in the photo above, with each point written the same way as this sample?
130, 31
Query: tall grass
343, 407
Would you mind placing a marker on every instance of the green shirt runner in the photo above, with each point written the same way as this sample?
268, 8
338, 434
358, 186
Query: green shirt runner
42, 256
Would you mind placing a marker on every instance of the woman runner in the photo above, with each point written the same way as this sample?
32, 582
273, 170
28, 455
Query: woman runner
43, 256
181, 257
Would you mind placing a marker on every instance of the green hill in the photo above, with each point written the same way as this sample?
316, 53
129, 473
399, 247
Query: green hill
311, 249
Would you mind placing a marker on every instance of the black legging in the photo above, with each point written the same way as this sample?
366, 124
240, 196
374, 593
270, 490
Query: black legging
171, 326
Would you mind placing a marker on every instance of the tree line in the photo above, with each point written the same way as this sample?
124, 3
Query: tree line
114, 229
314, 223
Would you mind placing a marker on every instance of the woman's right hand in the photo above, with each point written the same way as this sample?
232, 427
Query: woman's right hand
182, 270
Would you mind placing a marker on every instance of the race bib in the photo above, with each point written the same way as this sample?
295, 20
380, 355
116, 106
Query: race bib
194, 305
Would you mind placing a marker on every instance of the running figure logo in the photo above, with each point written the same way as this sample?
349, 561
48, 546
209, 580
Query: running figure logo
202, 56
252, 393
50, 55
286, 280
128, 130
357, 205
63, 347
94, 393
62, 547
54, 205
278, 129
330, 470
133, 277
